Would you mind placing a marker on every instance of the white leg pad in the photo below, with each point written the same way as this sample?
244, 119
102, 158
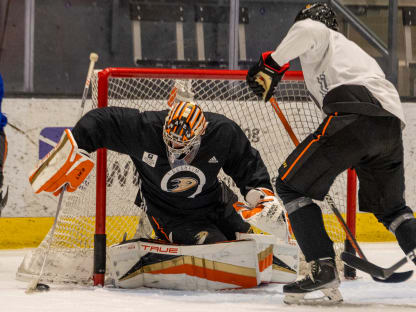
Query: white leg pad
217, 266
285, 262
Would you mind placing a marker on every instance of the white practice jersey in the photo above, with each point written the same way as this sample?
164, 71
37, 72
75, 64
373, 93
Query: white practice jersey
329, 60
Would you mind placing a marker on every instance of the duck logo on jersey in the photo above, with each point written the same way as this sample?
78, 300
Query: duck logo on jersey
185, 179
182, 184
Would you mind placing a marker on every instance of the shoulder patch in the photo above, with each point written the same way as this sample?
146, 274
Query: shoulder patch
149, 159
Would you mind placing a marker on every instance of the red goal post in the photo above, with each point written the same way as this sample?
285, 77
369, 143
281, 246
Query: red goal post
103, 98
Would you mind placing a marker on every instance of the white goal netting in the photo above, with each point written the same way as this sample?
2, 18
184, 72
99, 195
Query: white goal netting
72, 246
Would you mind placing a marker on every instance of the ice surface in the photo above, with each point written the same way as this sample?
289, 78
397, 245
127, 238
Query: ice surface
362, 294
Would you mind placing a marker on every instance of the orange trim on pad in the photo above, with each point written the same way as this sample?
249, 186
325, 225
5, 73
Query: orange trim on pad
212, 275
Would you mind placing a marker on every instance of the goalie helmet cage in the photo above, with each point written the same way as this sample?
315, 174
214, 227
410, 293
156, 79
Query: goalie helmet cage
102, 211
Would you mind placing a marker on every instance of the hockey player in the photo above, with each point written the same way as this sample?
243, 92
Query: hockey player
178, 155
362, 129
3, 149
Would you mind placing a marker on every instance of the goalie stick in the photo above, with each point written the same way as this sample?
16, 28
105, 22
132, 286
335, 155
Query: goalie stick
93, 60
392, 277
35, 284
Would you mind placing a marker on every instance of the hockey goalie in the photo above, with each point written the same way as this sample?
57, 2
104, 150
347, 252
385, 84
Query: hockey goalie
205, 238
248, 261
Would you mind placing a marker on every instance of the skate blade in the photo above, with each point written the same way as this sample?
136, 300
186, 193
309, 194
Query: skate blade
330, 296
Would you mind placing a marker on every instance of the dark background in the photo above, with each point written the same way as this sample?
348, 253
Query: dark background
66, 31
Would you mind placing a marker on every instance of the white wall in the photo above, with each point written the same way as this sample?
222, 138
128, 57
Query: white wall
27, 117
409, 139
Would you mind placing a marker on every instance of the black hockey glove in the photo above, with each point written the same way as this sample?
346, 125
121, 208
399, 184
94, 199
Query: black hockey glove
263, 77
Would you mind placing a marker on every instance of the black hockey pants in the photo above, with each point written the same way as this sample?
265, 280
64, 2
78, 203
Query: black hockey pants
219, 223
371, 145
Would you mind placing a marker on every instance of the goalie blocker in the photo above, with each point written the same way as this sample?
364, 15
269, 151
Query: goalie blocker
243, 263
64, 164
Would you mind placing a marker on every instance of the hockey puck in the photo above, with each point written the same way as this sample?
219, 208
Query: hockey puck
42, 287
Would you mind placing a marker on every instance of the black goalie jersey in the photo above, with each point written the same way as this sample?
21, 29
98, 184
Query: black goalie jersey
183, 190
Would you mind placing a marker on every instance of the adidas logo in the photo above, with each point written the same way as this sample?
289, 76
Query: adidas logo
213, 160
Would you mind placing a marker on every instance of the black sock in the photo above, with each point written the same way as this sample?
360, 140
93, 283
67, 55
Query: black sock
308, 227
406, 236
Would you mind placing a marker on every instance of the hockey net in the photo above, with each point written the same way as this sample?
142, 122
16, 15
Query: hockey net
102, 211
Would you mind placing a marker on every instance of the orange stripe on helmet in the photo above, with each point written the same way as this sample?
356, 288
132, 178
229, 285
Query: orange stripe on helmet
197, 117
183, 110
175, 111
202, 121
191, 113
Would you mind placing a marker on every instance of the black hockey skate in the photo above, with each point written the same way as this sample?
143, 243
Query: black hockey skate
323, 277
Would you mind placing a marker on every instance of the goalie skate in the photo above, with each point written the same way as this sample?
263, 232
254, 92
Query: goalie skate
322, 279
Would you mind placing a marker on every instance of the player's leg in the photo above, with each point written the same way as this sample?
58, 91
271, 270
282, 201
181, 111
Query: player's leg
308, 174
217, 223
382, 187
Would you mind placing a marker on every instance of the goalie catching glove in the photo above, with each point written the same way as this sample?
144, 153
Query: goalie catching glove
263, 77
264, 212
64, 164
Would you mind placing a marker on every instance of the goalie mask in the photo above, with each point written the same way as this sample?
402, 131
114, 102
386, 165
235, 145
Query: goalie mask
320, 12
182, 132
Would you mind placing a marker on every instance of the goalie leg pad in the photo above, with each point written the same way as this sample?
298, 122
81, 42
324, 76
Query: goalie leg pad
152, 263
64, 164
285, 267
284, 259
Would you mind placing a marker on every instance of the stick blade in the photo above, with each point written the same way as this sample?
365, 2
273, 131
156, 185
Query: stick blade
397, 277
360, 264
35, 286
31, 288
377, 273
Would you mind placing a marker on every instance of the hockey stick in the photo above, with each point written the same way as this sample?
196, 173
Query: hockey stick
93, 60
34, 285
361, 263
385, 274
393, 277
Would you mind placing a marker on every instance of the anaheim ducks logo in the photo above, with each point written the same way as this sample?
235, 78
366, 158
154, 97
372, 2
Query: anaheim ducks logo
185, 179
182, 184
